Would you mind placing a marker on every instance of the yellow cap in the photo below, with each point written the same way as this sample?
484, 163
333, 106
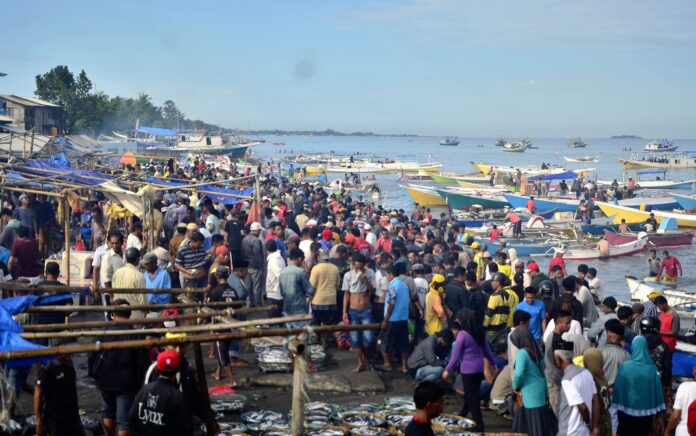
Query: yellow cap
437, 282
174, 335
654, 294
475, 245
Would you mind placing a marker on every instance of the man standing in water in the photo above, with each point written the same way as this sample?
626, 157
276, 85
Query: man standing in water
671, 266
358, 284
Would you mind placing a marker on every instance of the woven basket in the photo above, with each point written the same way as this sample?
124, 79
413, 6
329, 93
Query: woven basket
371, 415
439, 428
354, 431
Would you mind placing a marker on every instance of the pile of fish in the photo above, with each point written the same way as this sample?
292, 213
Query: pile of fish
452, 423
232, 428
228, 403
362, 419
370, 431
326, 432
275, 358
399, 404
399, 420
319, 415
357, 408
265, 420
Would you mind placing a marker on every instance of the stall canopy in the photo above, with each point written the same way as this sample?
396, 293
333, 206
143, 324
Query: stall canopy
221, 195
568, 175
44, 168
157, 131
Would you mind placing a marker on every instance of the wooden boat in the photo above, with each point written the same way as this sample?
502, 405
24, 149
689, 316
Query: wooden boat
450, 141
529, 170
599, 229
635, 216
661, 145
383, 168
579, 253
421, 176
640, 289
672, 160
676, 239
576, 143
523, 247
517, 147
460, 198
449, 178
687, 202
562, 204
588, 158
424, 196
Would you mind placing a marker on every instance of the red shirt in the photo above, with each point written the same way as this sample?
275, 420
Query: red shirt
494, 235
557, 261
530, 206
513, 217
26, 251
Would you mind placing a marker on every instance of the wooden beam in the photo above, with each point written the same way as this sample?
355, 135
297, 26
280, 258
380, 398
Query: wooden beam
154, 307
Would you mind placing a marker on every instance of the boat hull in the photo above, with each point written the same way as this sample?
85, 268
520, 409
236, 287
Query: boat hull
425, 197
634, 216
660, 150
654, 239
458, 200
641, 289
629, 249
523, 249
443, 180
593, 229
687, 202
520, 201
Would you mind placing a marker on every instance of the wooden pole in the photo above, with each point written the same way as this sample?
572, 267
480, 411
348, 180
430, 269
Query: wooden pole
66, 209
142, 321
258, 194
156, 342
154, 307
31, 147
297, 349
165, 330
23, 287
203, 388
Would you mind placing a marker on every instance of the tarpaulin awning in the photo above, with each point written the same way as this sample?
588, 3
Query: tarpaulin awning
10, 329
157, 131
221, 195
45, 169
128, 158
568, 175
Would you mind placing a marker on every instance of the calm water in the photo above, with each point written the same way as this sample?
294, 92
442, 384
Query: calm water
459, 159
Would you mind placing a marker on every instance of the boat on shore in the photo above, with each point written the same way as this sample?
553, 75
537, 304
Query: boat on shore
527, 170
424, 196
576, 143
569, 204
668, 160
661, 145
655, 240
640, 289
523, 247
450, 141
582, 159
635, 216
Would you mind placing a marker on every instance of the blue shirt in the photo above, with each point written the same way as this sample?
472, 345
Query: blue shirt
160, 281
238, 285
538, 313
397, 294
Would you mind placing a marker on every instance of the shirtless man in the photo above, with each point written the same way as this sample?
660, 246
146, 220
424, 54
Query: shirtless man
358, 284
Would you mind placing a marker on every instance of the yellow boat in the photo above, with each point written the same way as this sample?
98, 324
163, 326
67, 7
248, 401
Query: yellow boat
635, 216
424, 196
482, 167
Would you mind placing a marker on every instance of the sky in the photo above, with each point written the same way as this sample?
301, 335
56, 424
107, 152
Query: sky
543, 68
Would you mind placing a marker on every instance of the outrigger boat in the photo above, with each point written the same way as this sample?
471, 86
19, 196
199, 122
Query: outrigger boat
687, 202
576, 143
517, 147
569, 204
661, 145
586, 158
670, 160
581, 253
424, 196
528, 170
450, 140
657, 240
461, 198
640, 289
634, 216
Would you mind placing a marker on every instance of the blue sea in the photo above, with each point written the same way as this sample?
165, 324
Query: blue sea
459, 158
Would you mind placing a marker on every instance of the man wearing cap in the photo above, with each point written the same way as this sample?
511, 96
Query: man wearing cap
191, 262
130, 277
478, 259
535, 275
369, 236
155, 278
253, 254
597, 331
160, 408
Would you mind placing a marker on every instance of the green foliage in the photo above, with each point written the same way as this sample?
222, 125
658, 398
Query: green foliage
94, 113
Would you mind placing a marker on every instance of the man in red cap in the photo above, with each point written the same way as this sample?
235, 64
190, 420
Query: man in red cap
160, 408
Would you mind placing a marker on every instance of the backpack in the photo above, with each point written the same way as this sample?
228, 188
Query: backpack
691, 420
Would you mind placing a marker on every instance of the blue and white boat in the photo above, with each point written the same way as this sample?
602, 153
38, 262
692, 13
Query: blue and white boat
661, 145
686, 202
524, 248
563, 205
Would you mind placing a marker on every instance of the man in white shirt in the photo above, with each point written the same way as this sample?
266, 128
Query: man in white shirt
686, 394
275, 264
135, 239
370, 237
578, 411
595, 283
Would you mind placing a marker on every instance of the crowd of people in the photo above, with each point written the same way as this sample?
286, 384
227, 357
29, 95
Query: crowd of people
496, 330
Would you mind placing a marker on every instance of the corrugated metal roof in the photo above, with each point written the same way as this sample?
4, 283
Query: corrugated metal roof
28, 101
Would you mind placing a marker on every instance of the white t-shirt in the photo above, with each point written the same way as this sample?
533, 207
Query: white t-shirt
686, 394
578, 390
575, 329
422, 289
304, 246
134, 241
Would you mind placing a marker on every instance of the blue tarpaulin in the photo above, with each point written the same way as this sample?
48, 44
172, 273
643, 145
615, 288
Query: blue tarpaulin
10, 329
59, 160
45, 168
568, 175
157, 131
220, 195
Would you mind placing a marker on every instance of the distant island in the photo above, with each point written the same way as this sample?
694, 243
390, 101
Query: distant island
327, 132
626, 137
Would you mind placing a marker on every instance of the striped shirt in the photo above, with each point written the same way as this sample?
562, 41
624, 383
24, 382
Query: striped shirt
190, 258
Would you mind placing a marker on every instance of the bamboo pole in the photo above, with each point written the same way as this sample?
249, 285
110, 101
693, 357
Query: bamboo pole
142, 321
161, 331
22, 287
31, 147
33, 191
208, 417
156, 342
153, 307
66, 210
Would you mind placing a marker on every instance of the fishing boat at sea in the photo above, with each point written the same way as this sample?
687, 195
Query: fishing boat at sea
655, 240
592, 253
634, 216
542, 169
661, 145
576, 143
450, 141
500, 141
382, 167
423, 195
524, 247
686, 202
668, 160
642, 181
517, 147
581, 159
450, 178
461, 198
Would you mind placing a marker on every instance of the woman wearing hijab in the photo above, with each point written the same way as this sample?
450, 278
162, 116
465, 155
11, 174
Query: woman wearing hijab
471, 346
534, 417
594, 362
434, 311
638, 395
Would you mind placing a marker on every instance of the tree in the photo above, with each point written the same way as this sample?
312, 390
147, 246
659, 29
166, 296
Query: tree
173, 117
59, 86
